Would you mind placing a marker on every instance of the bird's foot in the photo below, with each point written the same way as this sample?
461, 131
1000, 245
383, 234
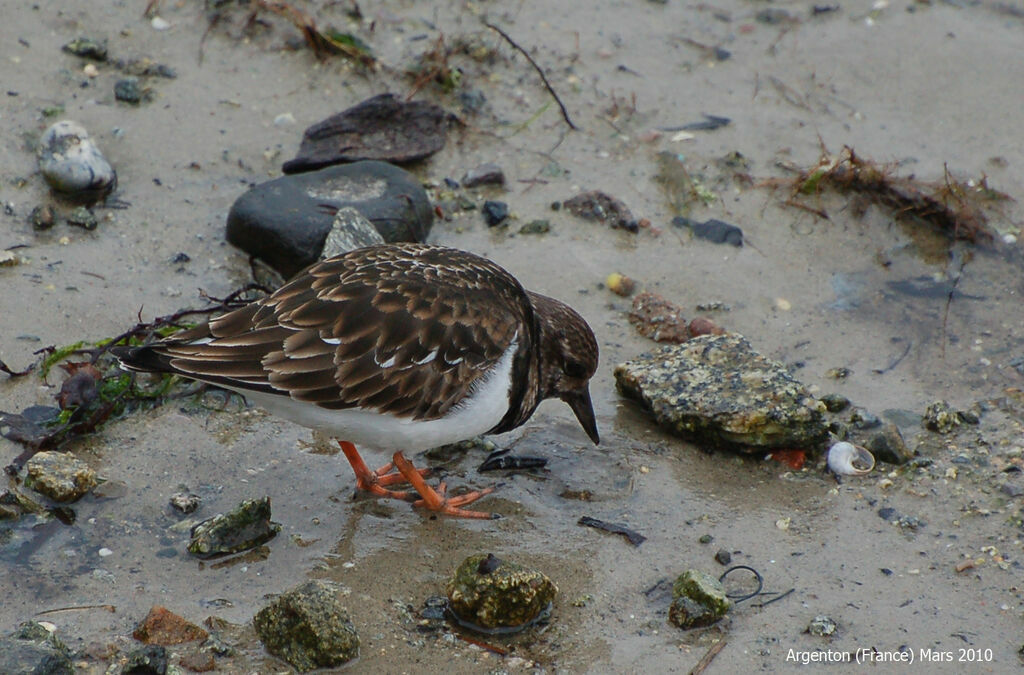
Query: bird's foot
376, 482
436, 500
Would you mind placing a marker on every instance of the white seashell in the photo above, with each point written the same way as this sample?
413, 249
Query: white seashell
72, 164
847, 459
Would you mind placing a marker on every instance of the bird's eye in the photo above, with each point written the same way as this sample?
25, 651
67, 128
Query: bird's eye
576, 369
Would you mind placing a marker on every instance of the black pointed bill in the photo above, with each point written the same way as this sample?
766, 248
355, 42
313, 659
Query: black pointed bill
580, 403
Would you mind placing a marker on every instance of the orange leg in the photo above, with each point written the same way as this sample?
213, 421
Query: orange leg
435, 500
374, 481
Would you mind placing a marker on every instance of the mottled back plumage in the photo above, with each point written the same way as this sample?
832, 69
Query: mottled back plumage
408, 330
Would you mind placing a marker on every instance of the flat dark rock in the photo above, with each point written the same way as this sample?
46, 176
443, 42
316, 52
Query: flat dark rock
383, 127
285, 221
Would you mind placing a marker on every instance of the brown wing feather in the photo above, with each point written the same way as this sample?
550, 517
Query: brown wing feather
405, 329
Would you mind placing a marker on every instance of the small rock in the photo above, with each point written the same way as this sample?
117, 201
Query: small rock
33, 648
350, 230
385, 127
163, 627
72, 164
863, 419
148, 660
128, 90
822, 626
723, 557
246, 527
620, 284
284, 221
1011, 490
886, 444
835, 402
59, 476
706, 539
718, 390
536, 227
485, 174
82, 217
596, 205
309, 627
87, 48
940, 417
159, 23
490, 595
658, 319
184, 502
42, 217
495, 212
713, 230
698, 599
701, 325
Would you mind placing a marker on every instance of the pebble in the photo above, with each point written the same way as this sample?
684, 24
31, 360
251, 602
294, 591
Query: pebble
72, 163
160, 23
723, 557
495, 212
485, 174
127, 90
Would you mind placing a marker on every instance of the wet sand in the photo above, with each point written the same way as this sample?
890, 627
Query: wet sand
925, 88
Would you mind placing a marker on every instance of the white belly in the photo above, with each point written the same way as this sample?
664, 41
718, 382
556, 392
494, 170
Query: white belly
480, 412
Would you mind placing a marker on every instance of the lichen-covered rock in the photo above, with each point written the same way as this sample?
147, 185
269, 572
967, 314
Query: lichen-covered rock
33, 648
492, 595
698, 599
716, 389
245, 527
60, 476
940, 417
309, 627
822, 626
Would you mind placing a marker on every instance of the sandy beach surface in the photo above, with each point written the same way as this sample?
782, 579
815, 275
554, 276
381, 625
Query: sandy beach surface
926, 87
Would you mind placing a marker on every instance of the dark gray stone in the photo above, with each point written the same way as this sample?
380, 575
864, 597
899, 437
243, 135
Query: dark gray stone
886, 444
149, 660
33, 649
285, 222
495, 213
128, 90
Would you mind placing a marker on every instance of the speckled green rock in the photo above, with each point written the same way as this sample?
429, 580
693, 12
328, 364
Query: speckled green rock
309, 627
59, 476
940, 417
493, 595
698, 599
716, 389
245, 527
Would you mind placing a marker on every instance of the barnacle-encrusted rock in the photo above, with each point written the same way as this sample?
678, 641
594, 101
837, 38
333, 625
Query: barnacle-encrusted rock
493, 595
60, 476
940, 417
698, 599
309, 627
246, 527
718, 390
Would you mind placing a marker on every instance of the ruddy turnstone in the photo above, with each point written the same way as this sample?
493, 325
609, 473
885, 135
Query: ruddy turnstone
400, 347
